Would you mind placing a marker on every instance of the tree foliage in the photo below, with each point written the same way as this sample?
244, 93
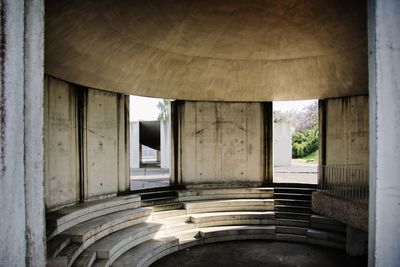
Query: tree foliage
305, 122
164, 110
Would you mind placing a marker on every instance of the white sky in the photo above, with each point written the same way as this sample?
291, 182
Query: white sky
145, 108
291, 105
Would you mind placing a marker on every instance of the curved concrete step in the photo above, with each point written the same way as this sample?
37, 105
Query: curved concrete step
70, 253
148, 252
294, 190
168, 214
233, 218
85, 259
112, 246
292, 215
292, 196
65, 218
229, 205
225, 193
90, 231
295, 209
211, 234
57, 244
293, 202
325, 223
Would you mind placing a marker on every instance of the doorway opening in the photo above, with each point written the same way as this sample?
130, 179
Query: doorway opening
149, 142
295, 142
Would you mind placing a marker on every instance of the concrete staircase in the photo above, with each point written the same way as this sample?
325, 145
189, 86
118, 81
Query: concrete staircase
130, 231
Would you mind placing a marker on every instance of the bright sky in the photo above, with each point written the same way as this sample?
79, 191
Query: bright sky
145, 108
291, 105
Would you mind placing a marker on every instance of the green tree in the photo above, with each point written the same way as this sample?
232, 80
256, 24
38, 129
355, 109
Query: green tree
163, 106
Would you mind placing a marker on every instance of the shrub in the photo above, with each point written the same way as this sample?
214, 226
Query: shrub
304, 143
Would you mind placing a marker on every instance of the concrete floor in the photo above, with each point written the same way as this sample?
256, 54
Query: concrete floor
142, 178
260, 253
299, 172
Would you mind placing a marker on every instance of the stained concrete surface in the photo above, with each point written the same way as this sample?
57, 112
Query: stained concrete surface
260, 253
211, 50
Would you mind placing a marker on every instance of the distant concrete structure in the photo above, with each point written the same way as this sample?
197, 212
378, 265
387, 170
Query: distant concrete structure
282, 144
134, 145
153, 134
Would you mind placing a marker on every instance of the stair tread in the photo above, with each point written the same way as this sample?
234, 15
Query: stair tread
67, 213
57, 244
106, 221
85, 259
110, 241
146, 250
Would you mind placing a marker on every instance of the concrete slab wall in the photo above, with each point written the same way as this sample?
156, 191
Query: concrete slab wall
87, 151
221, 143
347, 131
61, 150
101, 144
282, 144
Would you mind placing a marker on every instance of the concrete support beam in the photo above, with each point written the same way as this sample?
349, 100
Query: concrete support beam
384, 91
21, 134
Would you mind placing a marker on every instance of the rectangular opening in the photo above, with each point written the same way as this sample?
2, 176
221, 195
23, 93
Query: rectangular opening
150, 149
295, 141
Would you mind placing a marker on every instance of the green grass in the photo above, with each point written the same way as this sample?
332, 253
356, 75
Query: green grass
312, 158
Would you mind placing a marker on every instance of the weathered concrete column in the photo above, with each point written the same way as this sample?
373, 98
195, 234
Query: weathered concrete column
268, 143
384, 91
21, 134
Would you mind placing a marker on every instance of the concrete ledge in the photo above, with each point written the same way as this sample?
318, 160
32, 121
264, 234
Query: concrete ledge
341, 210
67, 217
230, 205
114, 245
225, 193
148, 252
233, 218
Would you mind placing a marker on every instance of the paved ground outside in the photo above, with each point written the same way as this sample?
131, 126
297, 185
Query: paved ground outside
305, 173
149, 177
299, 172
260, 253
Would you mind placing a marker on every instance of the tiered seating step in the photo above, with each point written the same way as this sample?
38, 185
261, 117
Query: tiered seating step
225, 193
229, 205
65, 218
112, 246
233, 218
148, 252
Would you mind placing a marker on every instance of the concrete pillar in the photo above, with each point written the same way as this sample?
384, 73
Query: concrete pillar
384, 92
21, 134
165, 143
135, 154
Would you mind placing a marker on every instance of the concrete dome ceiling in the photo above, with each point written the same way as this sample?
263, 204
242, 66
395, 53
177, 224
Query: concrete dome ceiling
244, 50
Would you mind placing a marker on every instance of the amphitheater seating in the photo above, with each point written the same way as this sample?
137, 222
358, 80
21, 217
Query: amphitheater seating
118, 232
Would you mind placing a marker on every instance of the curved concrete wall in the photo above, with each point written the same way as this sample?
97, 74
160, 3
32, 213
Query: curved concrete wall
221, 143
211, 50
87, 144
